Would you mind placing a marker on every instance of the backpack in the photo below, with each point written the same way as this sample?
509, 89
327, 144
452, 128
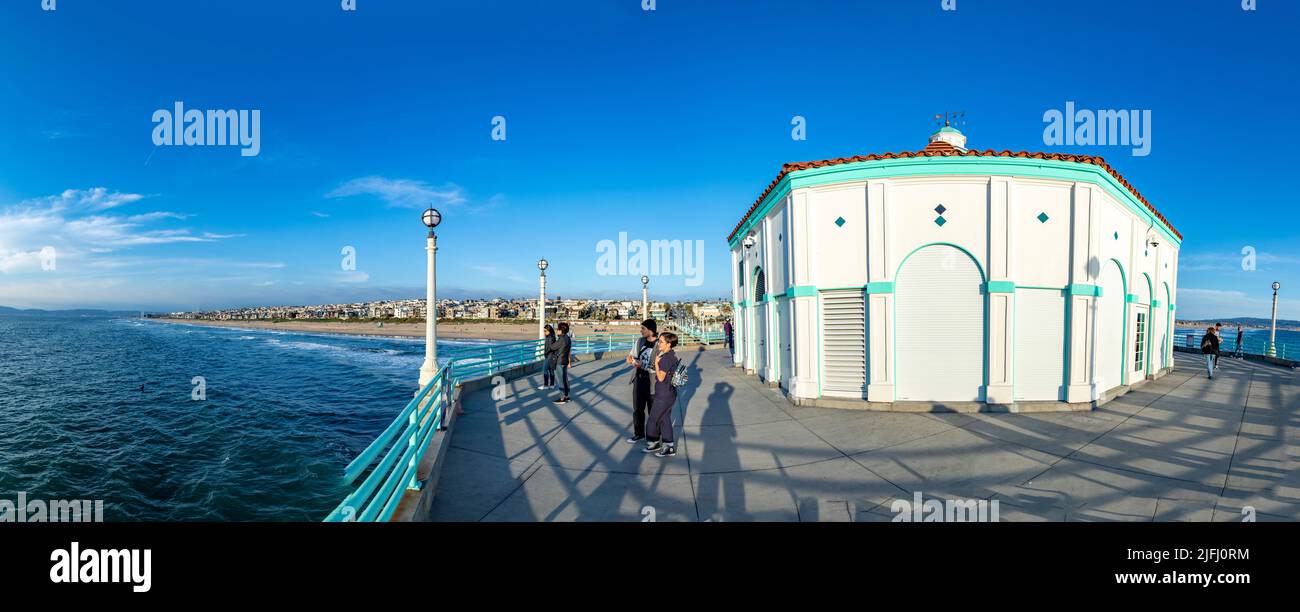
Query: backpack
679, 376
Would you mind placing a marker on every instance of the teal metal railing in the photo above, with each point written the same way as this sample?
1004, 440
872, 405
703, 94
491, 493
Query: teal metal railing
390, 463
1249, 345
699, 333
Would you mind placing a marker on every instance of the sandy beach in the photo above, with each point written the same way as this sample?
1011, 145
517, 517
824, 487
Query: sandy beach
505, 330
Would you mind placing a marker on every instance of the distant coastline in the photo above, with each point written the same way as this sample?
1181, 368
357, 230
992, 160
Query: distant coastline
449, 330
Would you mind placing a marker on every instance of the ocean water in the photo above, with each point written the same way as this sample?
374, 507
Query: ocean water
285, 412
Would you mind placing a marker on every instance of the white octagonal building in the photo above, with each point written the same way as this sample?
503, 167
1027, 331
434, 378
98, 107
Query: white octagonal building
953, 279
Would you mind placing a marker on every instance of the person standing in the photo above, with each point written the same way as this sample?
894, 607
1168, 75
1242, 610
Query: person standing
1210, 348
642, 361
563, 355
659, 432
1218, 334
548, 357
1240, 353
726, 331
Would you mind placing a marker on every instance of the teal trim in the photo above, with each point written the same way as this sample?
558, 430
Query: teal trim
1155, 303
881, 287
802, 291
1082, 289
1000, 286
1041, 287
1132, 298
974, 165
1172, 307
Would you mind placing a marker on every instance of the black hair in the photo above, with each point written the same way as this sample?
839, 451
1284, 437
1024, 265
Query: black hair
550, 329
564, 328
670, 338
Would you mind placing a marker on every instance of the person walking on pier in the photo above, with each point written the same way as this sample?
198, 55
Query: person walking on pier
1210, 347
563, 355
659, 432
548, 359
642, 359
1240, 352
727, 331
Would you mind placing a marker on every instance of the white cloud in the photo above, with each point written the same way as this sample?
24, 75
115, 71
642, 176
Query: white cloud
406, 193
81, 228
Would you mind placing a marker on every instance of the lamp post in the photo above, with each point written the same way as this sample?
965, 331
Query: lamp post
431, 219
645, 297
1272, 334
541, 298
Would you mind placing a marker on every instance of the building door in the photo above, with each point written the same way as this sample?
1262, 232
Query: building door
939, 338
783, 346
1039, 357
1110, 327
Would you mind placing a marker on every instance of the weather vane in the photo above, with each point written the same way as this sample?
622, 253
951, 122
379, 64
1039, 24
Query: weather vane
958, 117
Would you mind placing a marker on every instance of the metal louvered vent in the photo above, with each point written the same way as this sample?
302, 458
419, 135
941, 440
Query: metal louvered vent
760, 286
844, 344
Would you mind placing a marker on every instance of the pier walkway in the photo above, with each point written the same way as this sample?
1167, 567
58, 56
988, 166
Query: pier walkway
1179, 448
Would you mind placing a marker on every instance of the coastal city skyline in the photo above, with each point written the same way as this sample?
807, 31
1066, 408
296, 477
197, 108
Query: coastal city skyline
97, 210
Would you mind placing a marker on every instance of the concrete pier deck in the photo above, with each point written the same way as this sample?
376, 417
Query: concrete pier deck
1181, 448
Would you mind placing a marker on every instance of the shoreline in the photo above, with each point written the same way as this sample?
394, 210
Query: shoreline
446, 330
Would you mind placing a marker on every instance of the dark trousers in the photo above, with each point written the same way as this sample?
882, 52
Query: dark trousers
660, 427
548, 373
640, 405
564, 378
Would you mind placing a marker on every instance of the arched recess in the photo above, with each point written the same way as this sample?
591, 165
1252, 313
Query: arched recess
1139, 329
759, 330
1110, 325
939, 326
1167, 347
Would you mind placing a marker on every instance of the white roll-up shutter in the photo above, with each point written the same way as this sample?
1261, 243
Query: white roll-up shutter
939, 338
1040, 345
844, 344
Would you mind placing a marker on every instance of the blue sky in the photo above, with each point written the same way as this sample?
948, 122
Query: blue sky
664, 124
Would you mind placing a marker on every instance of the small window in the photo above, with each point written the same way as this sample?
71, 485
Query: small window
760, 286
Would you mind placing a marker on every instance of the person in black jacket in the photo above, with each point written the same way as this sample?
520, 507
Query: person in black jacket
642, 359
563, 353
548, 359
1210, 347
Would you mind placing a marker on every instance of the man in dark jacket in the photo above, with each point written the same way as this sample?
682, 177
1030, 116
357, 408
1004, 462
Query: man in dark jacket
563, 354
1210, 347
642, 361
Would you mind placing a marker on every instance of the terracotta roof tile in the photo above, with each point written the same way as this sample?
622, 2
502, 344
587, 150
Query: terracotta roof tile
939, 148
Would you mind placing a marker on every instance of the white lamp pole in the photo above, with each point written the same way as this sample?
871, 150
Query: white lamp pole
541, 298
1272, 334
645, 297
431, 220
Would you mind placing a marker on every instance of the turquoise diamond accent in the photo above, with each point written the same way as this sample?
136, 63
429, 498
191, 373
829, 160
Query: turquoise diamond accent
840, 222
1117, 235
1042, 217
940, 221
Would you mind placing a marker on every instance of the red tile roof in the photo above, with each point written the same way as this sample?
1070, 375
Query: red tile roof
940, 148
